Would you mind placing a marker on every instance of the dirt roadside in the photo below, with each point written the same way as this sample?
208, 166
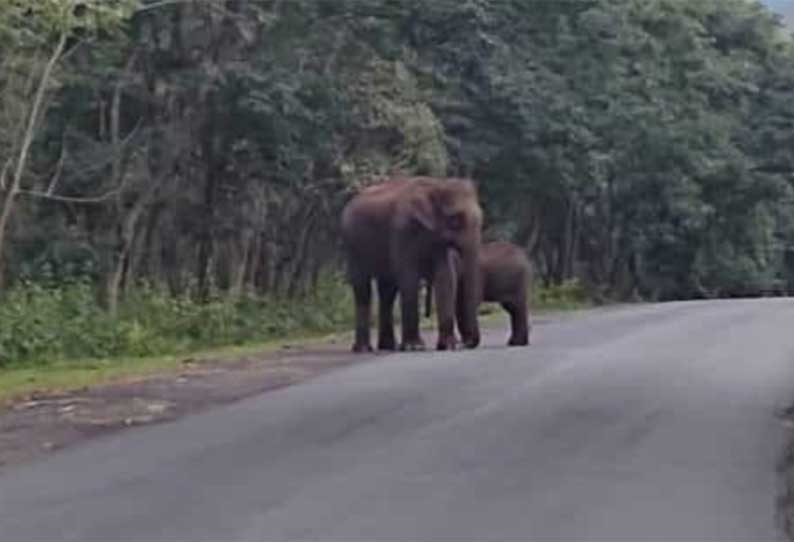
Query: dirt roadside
42, 423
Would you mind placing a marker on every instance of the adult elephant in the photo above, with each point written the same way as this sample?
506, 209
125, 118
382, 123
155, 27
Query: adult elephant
401, 231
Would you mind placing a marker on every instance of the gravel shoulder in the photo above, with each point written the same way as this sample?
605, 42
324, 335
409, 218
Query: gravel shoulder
40, 423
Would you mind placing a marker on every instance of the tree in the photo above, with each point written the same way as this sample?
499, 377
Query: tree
35, 36
642, 147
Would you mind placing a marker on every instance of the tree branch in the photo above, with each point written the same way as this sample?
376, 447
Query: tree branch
35, 111
70, 199
76, 199
56, 176
4, 173
161, 4
109, 159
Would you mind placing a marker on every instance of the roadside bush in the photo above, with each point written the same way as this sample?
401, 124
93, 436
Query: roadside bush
40, 323
568, 295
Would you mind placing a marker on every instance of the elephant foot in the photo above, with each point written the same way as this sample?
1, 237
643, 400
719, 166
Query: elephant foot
412, 345
447, 343
361, 348
387, 344
518, 341
471, 342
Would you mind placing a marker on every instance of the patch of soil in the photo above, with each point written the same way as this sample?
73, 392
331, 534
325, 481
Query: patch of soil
44, 422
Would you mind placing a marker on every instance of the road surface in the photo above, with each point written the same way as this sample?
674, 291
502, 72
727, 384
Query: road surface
646, 423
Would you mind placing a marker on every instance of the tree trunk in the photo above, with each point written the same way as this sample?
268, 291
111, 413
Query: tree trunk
150, 262
252, 263
278, 274
564, 256
210, 180
572, 241
126, 230
266, 266
528, 234
317, 267
298, 269
171, 268
240, 267
127, 238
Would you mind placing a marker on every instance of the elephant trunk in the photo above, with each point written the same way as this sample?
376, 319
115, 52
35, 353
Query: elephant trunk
471, 295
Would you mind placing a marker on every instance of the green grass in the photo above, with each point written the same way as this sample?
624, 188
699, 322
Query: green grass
74, 374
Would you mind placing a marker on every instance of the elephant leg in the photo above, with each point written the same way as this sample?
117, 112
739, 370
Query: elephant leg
409, 309
460, 313
362, 294
387, 292
519, 323
445, 282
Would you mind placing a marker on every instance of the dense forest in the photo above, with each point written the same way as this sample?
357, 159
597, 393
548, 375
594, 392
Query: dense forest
166, 157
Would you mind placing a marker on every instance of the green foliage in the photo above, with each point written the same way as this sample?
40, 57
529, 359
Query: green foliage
568, 295
56, 16
46, 323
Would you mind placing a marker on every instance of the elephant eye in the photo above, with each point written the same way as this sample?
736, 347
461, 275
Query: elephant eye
456, 221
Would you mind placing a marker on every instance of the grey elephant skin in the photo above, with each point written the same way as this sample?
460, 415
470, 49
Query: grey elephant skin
505, 273
401, 231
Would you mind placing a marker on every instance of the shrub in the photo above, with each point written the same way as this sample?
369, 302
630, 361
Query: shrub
570, 294
42, 322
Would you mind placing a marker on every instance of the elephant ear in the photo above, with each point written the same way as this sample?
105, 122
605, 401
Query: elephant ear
422, 211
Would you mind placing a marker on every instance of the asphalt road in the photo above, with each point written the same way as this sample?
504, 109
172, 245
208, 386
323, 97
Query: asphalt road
644, 423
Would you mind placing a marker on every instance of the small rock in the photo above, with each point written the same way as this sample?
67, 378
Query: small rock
26, 405
157, 408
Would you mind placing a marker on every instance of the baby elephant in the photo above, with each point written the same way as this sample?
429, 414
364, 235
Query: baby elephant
505, 272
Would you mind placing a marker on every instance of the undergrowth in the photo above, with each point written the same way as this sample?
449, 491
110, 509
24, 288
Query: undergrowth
41, 324
566, 296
